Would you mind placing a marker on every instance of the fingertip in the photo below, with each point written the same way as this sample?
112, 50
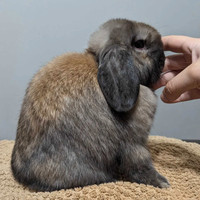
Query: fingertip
167, 95
164, 99
166, 40
177, 43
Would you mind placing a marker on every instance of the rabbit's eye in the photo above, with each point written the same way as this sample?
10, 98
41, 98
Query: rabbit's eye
140, 44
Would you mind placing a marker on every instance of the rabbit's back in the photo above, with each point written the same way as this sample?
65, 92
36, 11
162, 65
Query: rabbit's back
60, 81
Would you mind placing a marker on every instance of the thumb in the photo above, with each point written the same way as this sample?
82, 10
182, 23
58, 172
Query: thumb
186, 80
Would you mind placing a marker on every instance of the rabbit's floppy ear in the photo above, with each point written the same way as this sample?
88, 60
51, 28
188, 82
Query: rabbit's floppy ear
118, 78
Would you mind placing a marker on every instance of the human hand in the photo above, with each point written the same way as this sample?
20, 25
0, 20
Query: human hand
181, 73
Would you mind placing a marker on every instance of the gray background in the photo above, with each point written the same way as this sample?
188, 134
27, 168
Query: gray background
33, 32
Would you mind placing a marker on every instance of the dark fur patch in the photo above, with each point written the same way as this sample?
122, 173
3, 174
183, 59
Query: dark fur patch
118, 78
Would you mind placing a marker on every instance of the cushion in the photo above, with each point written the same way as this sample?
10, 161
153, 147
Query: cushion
178, 161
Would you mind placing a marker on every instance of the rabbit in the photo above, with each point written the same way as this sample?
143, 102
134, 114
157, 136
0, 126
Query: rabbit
86, 117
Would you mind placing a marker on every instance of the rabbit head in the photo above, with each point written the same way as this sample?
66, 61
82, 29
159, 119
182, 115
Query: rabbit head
128, 53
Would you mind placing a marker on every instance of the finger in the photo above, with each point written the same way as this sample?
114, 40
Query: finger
196, 50
178, 44
189, 95
164, 79
177, 62
186, 80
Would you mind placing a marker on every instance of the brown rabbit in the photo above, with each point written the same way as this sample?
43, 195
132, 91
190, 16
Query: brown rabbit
86, 116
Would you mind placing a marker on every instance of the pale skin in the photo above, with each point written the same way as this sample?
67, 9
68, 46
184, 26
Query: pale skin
181, 73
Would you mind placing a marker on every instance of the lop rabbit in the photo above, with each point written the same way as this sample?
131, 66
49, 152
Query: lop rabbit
86, 116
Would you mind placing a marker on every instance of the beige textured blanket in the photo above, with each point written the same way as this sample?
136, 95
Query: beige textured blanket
177, 160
